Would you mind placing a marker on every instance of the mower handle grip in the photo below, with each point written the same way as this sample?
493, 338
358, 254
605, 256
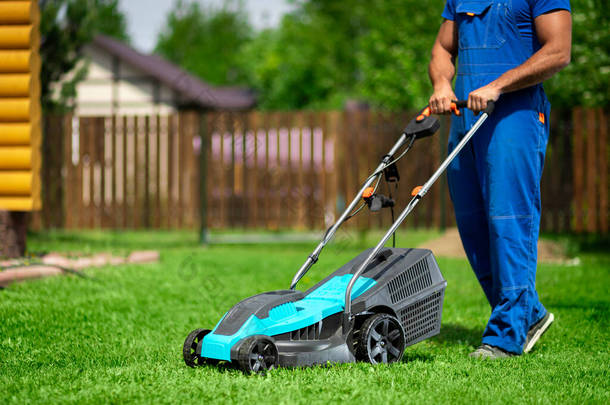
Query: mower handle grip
457, 104
455, 109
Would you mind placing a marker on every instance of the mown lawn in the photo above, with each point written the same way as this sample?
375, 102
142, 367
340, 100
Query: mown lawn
117, 336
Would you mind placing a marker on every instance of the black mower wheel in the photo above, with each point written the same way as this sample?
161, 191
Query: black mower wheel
189, 350
381, 339
257, 355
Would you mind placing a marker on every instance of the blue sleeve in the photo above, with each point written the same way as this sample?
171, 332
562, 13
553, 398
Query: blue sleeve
540, 7
449, 11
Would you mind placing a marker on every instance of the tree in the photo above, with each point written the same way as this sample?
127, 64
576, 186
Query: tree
378, 52
206, 41
327, 52
66, 26
586, 80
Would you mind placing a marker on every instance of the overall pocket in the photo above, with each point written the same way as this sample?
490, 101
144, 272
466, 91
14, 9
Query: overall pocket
478, 24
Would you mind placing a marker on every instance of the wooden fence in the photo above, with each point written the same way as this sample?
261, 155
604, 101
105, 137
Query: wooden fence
282, 170
121, 172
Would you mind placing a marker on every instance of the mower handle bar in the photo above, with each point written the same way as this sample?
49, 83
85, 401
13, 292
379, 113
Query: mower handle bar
455, 109
414, 201
385, 162
464, 104
313, 257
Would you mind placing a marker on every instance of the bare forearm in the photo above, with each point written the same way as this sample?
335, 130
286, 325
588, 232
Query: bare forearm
554, 31
441, 70
541, 66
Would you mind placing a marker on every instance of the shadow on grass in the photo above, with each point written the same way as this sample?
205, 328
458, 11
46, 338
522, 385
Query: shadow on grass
458, 335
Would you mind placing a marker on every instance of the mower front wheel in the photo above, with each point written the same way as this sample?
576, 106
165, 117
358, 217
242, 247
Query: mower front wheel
257, 354
189, 350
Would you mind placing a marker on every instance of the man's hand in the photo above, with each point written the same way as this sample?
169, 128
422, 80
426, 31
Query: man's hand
440, 102
477, 100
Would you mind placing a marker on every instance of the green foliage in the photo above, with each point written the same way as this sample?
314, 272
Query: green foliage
205, 41
586, 81
117, 337
394, 52
327, 52
66, 26
299, 65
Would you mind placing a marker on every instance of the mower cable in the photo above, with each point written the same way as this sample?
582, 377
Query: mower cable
408, 147
354, 213
377, 174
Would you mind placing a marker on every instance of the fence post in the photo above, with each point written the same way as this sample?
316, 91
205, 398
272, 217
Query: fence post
203, 171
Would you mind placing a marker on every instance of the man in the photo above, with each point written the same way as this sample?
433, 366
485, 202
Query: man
505, 49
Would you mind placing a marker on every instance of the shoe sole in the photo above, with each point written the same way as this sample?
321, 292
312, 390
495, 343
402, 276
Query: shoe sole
543, 328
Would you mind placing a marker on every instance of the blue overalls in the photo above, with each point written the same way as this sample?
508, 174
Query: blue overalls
495, 180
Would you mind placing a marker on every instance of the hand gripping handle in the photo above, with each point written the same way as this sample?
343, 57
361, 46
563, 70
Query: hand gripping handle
456, 105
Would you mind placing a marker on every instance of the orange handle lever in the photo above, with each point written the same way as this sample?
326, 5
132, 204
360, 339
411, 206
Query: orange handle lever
455, 109
368, 192
425, 113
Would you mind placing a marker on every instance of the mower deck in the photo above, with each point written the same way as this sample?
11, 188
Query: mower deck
307, 328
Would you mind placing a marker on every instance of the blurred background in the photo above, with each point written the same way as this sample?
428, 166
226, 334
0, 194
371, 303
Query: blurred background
223, 115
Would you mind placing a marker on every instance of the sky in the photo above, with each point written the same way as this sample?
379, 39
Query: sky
145, 18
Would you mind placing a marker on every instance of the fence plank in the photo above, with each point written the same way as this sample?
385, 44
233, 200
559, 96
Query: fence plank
146, 174
158, 209
563, 166
332, 159
252, 170
99, 152
578, 172
87, 174
113, 173
241, 179
604, 185
124, 173
268, 179
70, 182
591, 170
222, 178
196, 148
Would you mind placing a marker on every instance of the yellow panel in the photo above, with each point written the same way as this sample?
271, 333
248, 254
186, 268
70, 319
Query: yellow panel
15, 157
18, 204
15, 183
15, 134
36, 184
17, 36
17, 61
35, 134
15, 110
16, 12
15, 84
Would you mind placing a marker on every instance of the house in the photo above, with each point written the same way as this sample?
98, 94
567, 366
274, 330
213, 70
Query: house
123, 81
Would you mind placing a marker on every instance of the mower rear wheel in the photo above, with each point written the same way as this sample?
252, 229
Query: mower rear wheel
381, 339
257, 355
189, 350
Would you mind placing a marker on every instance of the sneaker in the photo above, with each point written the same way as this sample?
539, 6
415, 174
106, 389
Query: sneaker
536, 331
490, 352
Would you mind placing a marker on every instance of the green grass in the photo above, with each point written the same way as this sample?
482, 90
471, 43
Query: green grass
117, 336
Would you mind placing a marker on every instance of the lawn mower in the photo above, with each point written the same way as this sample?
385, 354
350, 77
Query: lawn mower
370, 309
